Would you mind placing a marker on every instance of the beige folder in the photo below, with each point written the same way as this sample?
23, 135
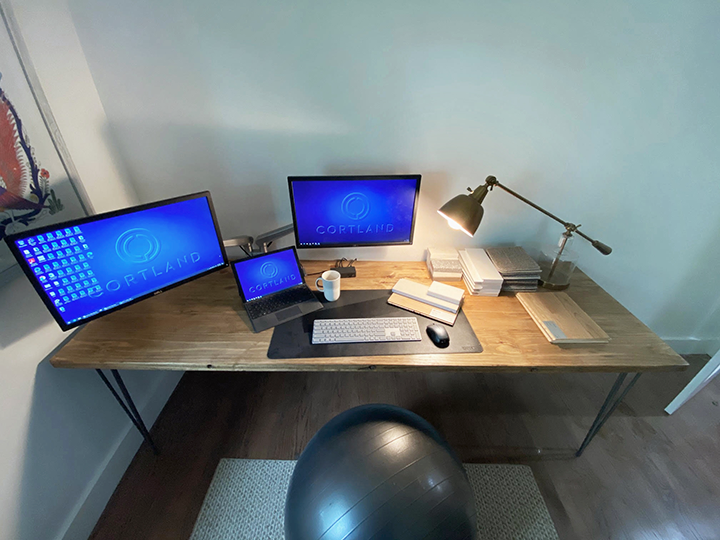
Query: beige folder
560, 319
421, 308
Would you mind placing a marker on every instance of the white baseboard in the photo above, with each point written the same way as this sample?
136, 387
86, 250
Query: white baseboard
80, 525
707, 346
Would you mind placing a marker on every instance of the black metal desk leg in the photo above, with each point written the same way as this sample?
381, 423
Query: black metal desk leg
608, 407
129, 408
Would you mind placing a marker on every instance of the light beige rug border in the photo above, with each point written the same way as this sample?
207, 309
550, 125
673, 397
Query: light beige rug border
246, 500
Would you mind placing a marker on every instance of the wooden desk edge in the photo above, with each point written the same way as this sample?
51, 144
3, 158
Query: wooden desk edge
487, 361
380, 363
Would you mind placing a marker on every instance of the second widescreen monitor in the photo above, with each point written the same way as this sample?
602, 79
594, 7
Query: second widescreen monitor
343, 211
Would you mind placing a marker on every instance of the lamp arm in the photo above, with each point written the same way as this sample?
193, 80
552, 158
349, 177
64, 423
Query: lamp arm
491, 181
529, 202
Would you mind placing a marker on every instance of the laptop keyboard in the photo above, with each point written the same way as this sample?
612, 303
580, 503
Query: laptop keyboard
278, 301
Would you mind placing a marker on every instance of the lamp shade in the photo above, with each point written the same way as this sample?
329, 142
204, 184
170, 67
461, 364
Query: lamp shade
463, 213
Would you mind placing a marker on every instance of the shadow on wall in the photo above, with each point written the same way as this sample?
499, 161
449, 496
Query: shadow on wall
697, 293
73, 422
246, 172
709, 328
22, 313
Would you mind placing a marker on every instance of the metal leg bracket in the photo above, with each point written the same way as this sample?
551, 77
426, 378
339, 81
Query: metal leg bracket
611, 403
128, 405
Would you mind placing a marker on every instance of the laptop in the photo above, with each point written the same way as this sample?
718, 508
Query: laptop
272, 288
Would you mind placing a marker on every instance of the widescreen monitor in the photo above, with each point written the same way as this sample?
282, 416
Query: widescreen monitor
86, 268
346, 211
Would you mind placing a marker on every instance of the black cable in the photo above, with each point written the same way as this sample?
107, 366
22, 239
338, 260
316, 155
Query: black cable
339, 263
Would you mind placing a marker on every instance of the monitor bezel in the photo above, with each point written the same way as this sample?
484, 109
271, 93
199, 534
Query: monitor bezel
260, 256
416, 177
10, 241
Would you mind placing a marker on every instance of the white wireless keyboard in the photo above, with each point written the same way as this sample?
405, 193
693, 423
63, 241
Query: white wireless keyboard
365, 330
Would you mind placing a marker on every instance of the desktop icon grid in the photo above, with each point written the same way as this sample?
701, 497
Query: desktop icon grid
62, 262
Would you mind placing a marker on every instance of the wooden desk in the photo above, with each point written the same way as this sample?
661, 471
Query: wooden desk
202, 326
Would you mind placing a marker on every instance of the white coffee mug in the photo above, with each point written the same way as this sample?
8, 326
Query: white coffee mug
330, 281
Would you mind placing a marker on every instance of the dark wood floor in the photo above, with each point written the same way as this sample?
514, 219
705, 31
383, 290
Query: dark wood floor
646, 475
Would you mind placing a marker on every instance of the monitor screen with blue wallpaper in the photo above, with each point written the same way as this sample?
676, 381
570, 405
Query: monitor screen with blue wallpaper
267, 274
88, 267
353, 210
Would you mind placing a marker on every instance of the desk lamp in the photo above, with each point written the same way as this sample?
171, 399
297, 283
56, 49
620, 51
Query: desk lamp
464, 213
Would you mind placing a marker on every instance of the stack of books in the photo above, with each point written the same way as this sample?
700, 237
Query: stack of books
479, 273
444, 264
518, 270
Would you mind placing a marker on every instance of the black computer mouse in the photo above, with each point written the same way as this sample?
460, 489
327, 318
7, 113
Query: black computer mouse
438, 335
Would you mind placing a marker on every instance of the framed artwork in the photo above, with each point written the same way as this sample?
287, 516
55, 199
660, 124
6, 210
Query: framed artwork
39, 184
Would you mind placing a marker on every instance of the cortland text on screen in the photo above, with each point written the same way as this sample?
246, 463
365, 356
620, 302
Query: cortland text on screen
154, 271
354, 229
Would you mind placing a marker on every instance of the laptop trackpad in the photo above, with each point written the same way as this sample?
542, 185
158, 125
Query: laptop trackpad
292, 311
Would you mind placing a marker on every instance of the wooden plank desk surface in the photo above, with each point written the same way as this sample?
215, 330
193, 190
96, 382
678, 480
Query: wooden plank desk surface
202, 326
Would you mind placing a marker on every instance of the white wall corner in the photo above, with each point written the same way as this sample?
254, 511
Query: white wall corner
692, 345
89, 508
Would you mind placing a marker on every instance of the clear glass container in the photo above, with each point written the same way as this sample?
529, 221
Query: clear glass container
555, 274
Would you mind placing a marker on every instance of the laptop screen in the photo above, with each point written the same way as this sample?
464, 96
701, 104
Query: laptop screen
266, 274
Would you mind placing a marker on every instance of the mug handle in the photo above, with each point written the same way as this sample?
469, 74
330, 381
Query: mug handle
317, 282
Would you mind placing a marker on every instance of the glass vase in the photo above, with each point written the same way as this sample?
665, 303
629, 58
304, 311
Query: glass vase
557, 264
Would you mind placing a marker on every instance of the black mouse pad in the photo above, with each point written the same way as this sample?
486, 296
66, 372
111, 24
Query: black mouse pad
293, 338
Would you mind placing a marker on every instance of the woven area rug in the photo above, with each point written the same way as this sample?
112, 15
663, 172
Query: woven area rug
246, 500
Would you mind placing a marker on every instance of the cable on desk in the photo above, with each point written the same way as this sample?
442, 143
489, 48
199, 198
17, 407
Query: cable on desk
346, 270
339, 263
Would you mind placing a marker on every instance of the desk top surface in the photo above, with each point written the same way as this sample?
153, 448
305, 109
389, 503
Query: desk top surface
202, 325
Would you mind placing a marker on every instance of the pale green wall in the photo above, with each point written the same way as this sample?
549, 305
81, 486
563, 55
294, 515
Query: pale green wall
607, 112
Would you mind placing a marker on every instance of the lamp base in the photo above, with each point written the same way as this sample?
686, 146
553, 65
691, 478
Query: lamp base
553, 286
556, 268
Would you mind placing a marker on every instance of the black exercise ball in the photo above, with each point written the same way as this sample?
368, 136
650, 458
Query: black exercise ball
383, 472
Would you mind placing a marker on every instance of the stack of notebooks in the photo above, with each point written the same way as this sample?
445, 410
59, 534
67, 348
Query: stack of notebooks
518, 270
480, 275
444, 264
438, 301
